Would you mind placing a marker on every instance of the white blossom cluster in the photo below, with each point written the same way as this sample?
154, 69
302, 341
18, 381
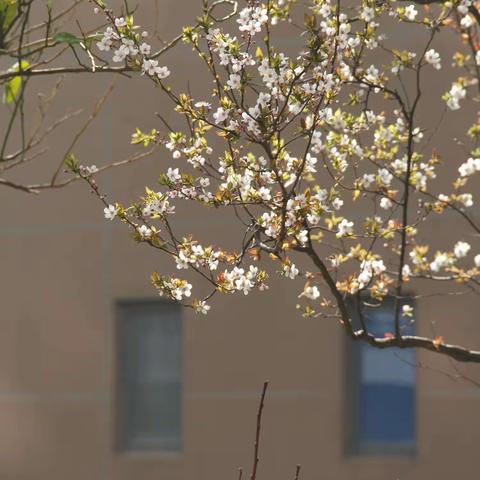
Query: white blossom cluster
126, 45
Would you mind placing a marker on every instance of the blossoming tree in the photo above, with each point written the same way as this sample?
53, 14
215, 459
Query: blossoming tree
320, 155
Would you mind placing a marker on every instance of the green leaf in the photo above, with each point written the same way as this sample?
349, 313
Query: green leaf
71, 162
65, 37
8, 10
13, 86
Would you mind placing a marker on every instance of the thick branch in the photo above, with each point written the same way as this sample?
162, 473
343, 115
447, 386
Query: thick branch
333, 288
456, 352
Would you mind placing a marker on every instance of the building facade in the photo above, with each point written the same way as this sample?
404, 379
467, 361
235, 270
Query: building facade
102, 380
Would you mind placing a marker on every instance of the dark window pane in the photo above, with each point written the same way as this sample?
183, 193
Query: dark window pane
149, 362
386, 414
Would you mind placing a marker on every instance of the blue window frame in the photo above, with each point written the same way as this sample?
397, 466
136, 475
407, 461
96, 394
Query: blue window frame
382, 388
149, 341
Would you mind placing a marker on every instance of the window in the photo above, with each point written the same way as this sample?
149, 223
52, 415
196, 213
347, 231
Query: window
381, 388
149, 376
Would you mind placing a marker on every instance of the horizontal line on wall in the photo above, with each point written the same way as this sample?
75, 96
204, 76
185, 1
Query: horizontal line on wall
463, 393
218, 395
52, 397
221, 395
99, 227
278, 394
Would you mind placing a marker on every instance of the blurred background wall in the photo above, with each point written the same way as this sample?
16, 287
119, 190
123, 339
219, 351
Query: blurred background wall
100, 380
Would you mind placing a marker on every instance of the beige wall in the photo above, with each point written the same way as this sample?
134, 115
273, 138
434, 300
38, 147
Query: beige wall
63, 267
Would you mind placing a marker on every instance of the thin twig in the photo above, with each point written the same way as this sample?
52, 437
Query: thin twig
297, 472
256, 448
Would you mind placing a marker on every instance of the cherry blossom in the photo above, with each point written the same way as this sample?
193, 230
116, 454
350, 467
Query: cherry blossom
110, 212
433, 58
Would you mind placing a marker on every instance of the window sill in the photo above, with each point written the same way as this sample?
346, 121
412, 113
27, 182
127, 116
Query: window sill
158, 456
387, 458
